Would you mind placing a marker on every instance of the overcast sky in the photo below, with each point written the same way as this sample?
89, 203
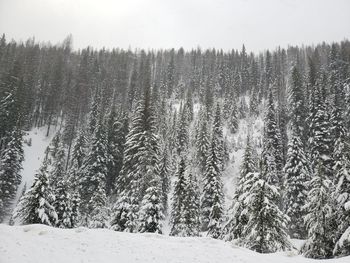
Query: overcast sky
259, 24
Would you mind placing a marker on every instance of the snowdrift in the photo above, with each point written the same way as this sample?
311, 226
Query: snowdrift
43, 244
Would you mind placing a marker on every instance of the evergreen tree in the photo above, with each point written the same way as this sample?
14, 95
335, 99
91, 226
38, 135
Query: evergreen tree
92, 175
185, 203
272, 153
212, 198
319, 217
217, 137
341, 195
10, 167
151, 210
319, 132
238, 211
297, 174
233, 119
62, 204
266, 229
36, 206
164, 172
140, 162
202, 142
297, 103
178, 225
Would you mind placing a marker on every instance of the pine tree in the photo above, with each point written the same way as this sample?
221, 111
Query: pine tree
151, 210
297, 174
297, 104
62, 204
165, 172
140, 162
212, 197
178, 227
233, 119
266, 229
98, 206
341, 195
202, 142
10, 167
92, 175
272, 153
36, 206
185, 203
182, 130
237, 213
78, 156
319, 217
217, 137
192, 206
319, 132
58, 170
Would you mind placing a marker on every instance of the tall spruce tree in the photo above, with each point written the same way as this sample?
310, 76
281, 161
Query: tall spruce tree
92, 175
10, 168
237, 218
212, 197
266, 229
36, 206
140, 162
319, 217
297, 174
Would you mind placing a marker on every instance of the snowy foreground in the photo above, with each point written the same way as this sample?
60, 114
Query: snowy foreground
43, 244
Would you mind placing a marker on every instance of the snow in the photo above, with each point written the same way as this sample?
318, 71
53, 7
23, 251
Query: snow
34, 154
44, 244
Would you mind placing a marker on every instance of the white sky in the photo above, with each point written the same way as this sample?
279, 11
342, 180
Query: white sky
259, 24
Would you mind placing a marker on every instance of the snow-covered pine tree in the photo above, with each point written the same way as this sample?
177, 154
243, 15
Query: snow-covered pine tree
177, 217
192, 205
99, 212
297, 174
212, 198
78, 156
92, 175
36, 206
151, 210
217, 137
58, 171
319, 217
62, 204
117, 126
95, 113
341, 195
297, 104
237, 218
10, 166
140, 163
165, 172
233, 118
202, 141
182, 130
266, 229
185, 206
319, 132
272, 161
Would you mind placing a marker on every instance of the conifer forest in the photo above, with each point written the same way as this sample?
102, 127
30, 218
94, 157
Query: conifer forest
249, 148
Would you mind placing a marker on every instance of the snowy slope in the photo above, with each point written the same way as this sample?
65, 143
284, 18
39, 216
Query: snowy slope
43, 244
33, 156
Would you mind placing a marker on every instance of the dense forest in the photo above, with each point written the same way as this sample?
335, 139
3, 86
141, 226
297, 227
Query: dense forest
142, 136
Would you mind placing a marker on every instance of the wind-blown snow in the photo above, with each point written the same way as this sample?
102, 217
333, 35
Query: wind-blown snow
43, 244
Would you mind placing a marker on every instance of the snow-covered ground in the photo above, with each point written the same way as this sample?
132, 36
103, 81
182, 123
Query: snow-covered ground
43, 244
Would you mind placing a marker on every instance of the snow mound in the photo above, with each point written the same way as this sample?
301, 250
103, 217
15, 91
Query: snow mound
43, 244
